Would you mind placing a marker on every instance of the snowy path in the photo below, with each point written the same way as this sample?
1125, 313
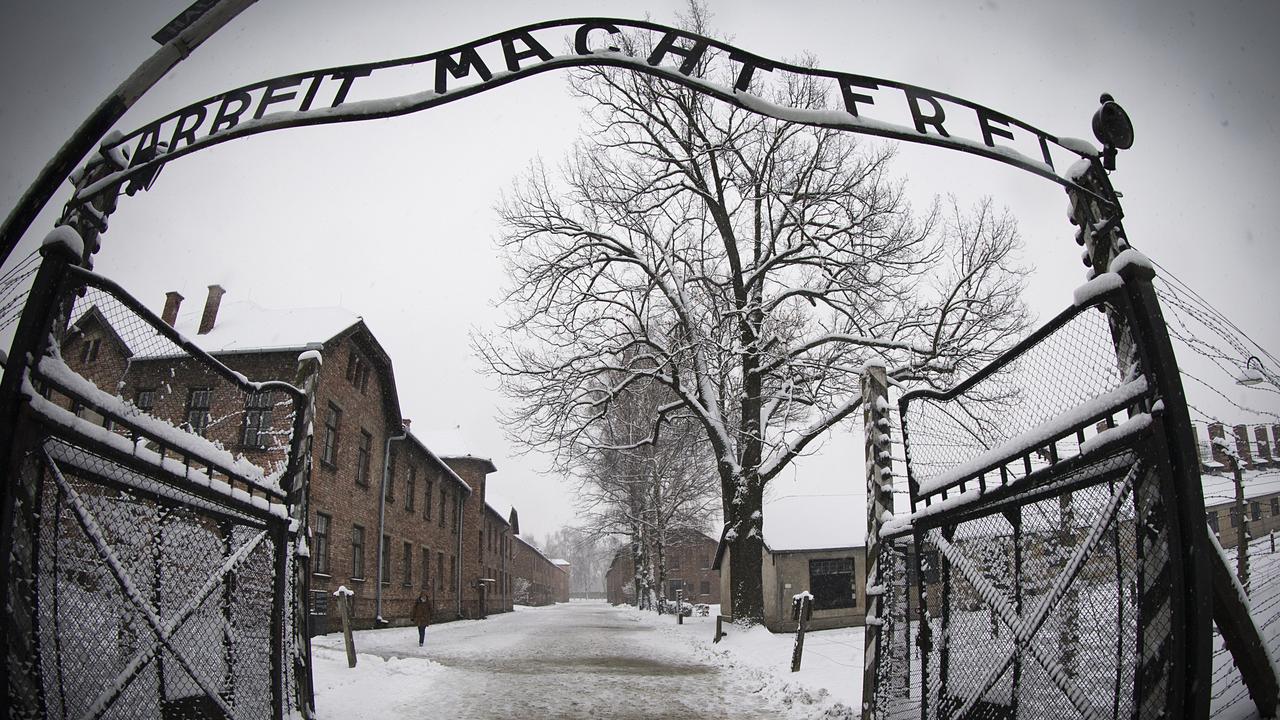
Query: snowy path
577, 660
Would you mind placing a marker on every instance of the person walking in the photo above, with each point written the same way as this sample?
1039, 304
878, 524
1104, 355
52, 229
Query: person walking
422, 615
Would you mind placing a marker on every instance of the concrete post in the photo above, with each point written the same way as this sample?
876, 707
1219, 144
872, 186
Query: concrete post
879, 475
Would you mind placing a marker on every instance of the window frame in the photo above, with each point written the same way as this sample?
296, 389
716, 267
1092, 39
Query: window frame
332, 430
407, 580
830, 594
357, 552
206, 395
257, 418
320, 539
364, 458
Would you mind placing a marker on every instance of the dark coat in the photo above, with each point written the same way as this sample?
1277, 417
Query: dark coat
422, 612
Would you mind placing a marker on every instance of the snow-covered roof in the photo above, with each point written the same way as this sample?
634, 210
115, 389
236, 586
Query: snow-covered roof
451, 443
1220, 489
560, 561
243, 326
815, 522
497, 503
431, 454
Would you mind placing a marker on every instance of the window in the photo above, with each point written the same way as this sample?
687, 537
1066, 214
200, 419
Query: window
257, 419
444, 500
198, 410
410, 488
407, 580
1212, 516
386, 559
357, 371
831, 583
1235, 517
1275, 506
321, 550
427, 499
439, 566
391, 478
90, 353
1256, 507
426, 567
357, 552
363, 456
702, 561
453, 573
146, 400
329, 450
704, 587
675, 562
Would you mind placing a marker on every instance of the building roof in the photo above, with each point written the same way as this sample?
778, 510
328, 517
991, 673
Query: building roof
452, 444
560, 561
1221, 489
436, 458
532, 547
815, 522
244, 326
503, 509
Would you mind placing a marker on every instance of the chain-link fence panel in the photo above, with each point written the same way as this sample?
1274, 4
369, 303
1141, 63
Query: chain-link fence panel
152, 544
1039, 550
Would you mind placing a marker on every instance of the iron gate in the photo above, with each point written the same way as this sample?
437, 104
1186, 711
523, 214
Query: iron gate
151, 572
1044, 560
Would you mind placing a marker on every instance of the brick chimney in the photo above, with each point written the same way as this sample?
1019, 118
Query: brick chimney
211, 304
172, 301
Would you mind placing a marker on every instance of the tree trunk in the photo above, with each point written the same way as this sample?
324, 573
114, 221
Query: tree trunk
745, 551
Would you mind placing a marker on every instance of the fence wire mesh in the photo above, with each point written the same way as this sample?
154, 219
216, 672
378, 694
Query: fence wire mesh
152, 572
1048, 598
1072, 367
122, 353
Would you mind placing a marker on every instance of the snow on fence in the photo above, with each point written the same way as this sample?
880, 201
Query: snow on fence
153, 545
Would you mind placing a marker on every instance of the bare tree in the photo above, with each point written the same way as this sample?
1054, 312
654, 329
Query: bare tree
644, 488
748, 265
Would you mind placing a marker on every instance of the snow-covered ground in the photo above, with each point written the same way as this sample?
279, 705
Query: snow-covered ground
592, 660
587, 660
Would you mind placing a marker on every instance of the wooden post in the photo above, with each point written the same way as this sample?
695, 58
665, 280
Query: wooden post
679, 607
879, 471
801, 608
720, 619
344, 610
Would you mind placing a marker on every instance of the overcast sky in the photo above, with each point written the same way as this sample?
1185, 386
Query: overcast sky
393, 219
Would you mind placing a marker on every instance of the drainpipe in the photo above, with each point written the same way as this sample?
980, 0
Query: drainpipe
382, 515
457, 570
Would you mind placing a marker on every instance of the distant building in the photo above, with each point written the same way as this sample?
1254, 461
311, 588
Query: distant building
560, 583
1261, 507
537, 579
815, 544
688, 559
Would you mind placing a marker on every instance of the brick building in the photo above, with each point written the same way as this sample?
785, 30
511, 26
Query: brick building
537, 579
560, 582
389, 517
689, 558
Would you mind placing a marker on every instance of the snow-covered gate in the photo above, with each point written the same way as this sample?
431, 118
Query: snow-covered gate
1047, 560
151, 573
